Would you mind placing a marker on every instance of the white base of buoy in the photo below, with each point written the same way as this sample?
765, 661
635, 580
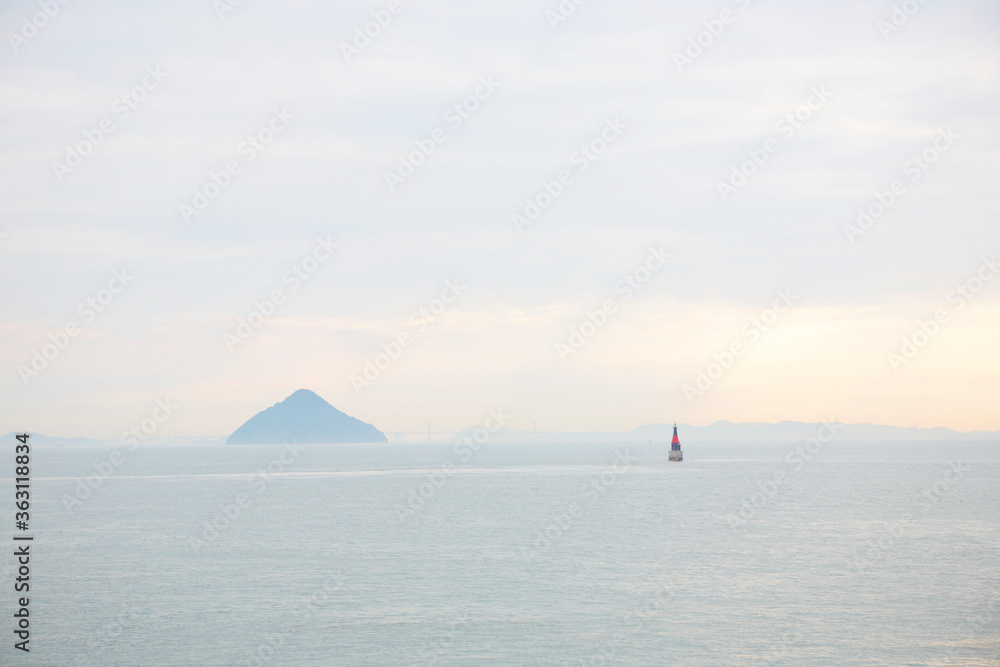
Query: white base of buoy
676, 455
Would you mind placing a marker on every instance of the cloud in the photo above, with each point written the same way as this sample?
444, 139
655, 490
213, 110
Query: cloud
451, 218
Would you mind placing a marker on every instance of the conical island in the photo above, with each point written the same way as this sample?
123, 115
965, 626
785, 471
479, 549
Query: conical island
303, 417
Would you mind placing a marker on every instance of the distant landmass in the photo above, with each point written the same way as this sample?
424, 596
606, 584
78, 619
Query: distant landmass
726, 431
52, 440
303, 417
791, 430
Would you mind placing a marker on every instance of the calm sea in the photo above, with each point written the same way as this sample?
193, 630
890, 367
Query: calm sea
744, 554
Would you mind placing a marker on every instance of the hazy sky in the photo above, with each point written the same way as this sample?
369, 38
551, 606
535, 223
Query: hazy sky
309, 129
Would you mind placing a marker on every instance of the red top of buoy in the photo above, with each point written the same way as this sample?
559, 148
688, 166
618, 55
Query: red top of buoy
676, 440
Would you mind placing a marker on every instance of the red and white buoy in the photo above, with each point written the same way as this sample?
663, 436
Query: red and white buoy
675, 447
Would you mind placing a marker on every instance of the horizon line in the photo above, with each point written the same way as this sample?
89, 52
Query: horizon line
668, 425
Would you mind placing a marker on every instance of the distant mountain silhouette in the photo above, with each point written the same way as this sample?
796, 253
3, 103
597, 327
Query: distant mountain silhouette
303, 417
791, 430
726, 431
